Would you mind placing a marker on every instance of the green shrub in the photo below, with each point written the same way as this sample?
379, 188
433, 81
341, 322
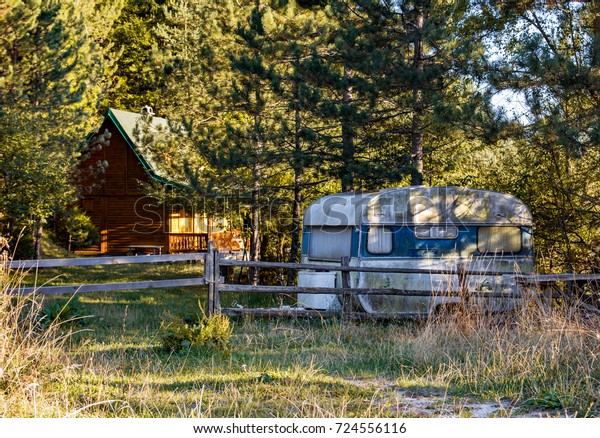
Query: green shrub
63, 312
75, 230
22, 247
197, 331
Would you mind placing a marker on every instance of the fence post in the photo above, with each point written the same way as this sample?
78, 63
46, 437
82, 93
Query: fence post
209, 274
463, 287
346, 294
217, 274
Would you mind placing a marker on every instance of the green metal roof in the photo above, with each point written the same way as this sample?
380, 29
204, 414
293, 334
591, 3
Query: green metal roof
126, 123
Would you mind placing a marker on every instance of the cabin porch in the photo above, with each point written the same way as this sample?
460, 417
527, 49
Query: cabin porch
187, 242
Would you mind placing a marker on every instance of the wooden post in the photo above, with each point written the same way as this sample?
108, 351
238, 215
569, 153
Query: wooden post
570, 291
217, 275
209, 274
463, 286
346, 295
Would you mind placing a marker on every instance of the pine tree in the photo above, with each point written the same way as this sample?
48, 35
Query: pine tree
296, 142
248, 142
131, 37
411, 59
217, 76
330, 72
48, 97
549, 60
197, 39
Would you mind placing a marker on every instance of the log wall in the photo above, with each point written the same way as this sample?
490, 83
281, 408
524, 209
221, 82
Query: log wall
118, 207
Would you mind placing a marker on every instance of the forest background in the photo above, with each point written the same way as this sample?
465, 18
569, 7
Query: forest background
278, 102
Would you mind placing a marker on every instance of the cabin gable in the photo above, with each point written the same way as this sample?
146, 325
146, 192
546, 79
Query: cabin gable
115, 200
129, 220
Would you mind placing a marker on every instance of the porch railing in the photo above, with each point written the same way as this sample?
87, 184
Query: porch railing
187, 242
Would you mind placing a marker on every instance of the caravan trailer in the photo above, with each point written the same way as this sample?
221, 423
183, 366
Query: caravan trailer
424, 228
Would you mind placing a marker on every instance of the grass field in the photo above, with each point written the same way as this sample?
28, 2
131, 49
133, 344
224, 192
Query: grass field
112, 363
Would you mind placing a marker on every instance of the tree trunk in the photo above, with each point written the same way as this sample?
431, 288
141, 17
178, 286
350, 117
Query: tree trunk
256, 187
296, 217
255, 237
298, 166
417, 105
347, 174
39, 231
12, 237
596, 55
297, 207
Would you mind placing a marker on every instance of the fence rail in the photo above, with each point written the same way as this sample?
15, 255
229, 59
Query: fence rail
341, 268
109, 287
213, 262
359, 291
93, 261
346, 291
553, 278
105, 287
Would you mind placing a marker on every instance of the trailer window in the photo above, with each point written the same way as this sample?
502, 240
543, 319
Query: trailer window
330, 243
499, 239
380, 240
436, 231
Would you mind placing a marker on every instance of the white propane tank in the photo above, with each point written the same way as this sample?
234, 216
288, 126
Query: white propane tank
317, 301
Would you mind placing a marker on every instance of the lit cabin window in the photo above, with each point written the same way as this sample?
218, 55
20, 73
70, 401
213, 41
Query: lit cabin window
330, 243
179, 222
499, 239
380, 240
184, 221
200, 224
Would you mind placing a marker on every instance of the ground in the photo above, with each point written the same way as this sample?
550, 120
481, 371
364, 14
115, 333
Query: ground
114, 362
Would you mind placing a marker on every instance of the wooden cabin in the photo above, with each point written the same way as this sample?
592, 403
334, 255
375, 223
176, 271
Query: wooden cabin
129, 221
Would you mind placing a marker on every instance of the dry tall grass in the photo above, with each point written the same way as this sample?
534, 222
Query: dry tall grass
535, 358
540, 358
33, 364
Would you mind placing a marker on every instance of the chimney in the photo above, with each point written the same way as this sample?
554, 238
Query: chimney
146, 109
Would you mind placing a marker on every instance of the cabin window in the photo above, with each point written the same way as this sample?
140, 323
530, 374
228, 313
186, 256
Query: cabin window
499, 239
436, 232
184, 221
380, 240
179, 222
330, 243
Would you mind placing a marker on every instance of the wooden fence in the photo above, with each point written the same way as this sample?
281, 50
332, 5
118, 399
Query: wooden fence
217, 286
214, 261
534, 286
104, 287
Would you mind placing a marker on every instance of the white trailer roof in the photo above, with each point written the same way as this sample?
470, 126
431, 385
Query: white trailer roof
339, 210
414, 205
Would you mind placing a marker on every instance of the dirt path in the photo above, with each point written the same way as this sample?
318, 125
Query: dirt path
427, 403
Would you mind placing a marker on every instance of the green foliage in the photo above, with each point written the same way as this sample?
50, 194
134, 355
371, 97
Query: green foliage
75, 230
133, 42
22, 246
52, 79
63, 312
550, 400
278, 102
197, 331
547, 59
395, 88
